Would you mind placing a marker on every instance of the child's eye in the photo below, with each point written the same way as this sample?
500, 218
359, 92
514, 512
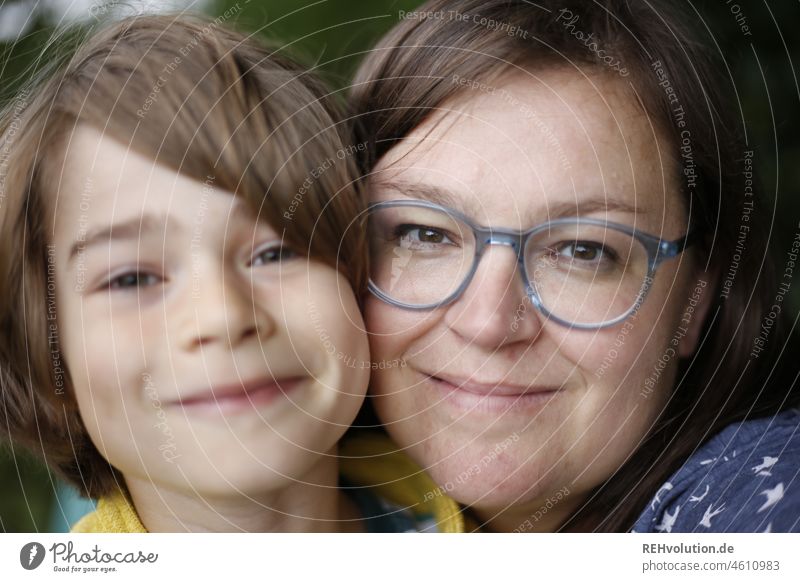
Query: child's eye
132, 280
271, 255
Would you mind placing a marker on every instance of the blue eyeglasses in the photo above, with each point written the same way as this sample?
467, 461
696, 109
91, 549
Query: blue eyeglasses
580, 272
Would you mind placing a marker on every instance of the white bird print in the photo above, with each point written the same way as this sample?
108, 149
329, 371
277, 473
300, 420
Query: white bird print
668, 521
696, 499
766, 464
706, 521
657, 499
707, 461
773, 496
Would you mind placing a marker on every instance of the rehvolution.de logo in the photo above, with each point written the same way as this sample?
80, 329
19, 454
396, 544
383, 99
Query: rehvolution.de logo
31, 555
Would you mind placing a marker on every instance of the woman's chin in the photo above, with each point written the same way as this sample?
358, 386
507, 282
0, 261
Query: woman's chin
475, 483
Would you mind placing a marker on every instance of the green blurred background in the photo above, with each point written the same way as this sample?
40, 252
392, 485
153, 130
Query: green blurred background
335, 34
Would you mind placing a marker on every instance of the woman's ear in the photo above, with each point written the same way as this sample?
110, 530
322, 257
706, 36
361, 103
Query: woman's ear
696, 309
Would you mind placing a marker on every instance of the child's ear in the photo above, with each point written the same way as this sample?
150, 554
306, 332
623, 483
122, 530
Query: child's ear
697, 306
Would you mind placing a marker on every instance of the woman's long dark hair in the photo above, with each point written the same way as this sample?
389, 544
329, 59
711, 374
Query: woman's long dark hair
410, 73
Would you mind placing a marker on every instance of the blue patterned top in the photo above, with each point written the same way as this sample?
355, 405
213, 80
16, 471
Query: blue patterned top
745, 479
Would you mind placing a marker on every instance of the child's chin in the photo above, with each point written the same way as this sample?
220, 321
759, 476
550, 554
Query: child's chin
233, 486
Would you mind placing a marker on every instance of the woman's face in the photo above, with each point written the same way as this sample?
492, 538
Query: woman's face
503, 408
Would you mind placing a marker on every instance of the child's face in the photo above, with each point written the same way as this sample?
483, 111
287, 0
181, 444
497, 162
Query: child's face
202, 356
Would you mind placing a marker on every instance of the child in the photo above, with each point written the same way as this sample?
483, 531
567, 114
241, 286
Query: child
180, 257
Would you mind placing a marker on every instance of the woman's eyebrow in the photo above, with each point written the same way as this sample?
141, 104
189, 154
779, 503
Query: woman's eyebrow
572, 208
560, 209
430, 193
130, 229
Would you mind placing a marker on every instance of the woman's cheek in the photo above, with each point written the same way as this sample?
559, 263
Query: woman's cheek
393, 331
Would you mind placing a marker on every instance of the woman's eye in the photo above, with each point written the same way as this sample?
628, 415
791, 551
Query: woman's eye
587, 251
412, 234
133, 279
272, 255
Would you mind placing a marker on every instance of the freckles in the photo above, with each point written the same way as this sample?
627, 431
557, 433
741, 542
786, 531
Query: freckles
385, 385
378, 316
584, 349
396, 329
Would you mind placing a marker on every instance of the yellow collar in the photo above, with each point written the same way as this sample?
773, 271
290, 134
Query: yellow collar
114, 514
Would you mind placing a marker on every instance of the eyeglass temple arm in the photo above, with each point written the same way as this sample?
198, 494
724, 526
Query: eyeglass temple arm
670, 249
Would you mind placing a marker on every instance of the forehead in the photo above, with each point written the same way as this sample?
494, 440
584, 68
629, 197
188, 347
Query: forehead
102, 180
533, 141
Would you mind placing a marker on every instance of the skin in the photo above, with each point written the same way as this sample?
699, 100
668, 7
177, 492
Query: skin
213, 305
529, 151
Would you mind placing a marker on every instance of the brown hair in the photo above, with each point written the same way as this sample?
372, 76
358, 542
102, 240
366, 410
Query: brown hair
202, 100
410, 74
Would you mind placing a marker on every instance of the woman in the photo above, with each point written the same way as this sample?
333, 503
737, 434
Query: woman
558, 206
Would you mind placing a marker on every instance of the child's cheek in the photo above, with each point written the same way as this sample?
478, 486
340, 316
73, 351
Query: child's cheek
325, 314
105, 359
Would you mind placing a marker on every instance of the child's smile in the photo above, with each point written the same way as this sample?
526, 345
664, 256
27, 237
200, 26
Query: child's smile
238, 397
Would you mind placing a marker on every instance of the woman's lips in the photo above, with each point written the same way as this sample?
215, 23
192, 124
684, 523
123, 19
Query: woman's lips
490, 397
239, 397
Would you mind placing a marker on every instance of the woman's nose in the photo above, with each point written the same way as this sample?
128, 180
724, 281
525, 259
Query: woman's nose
495, 310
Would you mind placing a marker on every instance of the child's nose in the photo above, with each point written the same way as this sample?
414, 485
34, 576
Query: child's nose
224, 313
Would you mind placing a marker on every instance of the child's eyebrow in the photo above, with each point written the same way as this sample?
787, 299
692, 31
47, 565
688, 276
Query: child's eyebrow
130, 229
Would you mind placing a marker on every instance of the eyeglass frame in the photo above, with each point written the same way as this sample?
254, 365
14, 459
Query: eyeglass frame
658, 250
